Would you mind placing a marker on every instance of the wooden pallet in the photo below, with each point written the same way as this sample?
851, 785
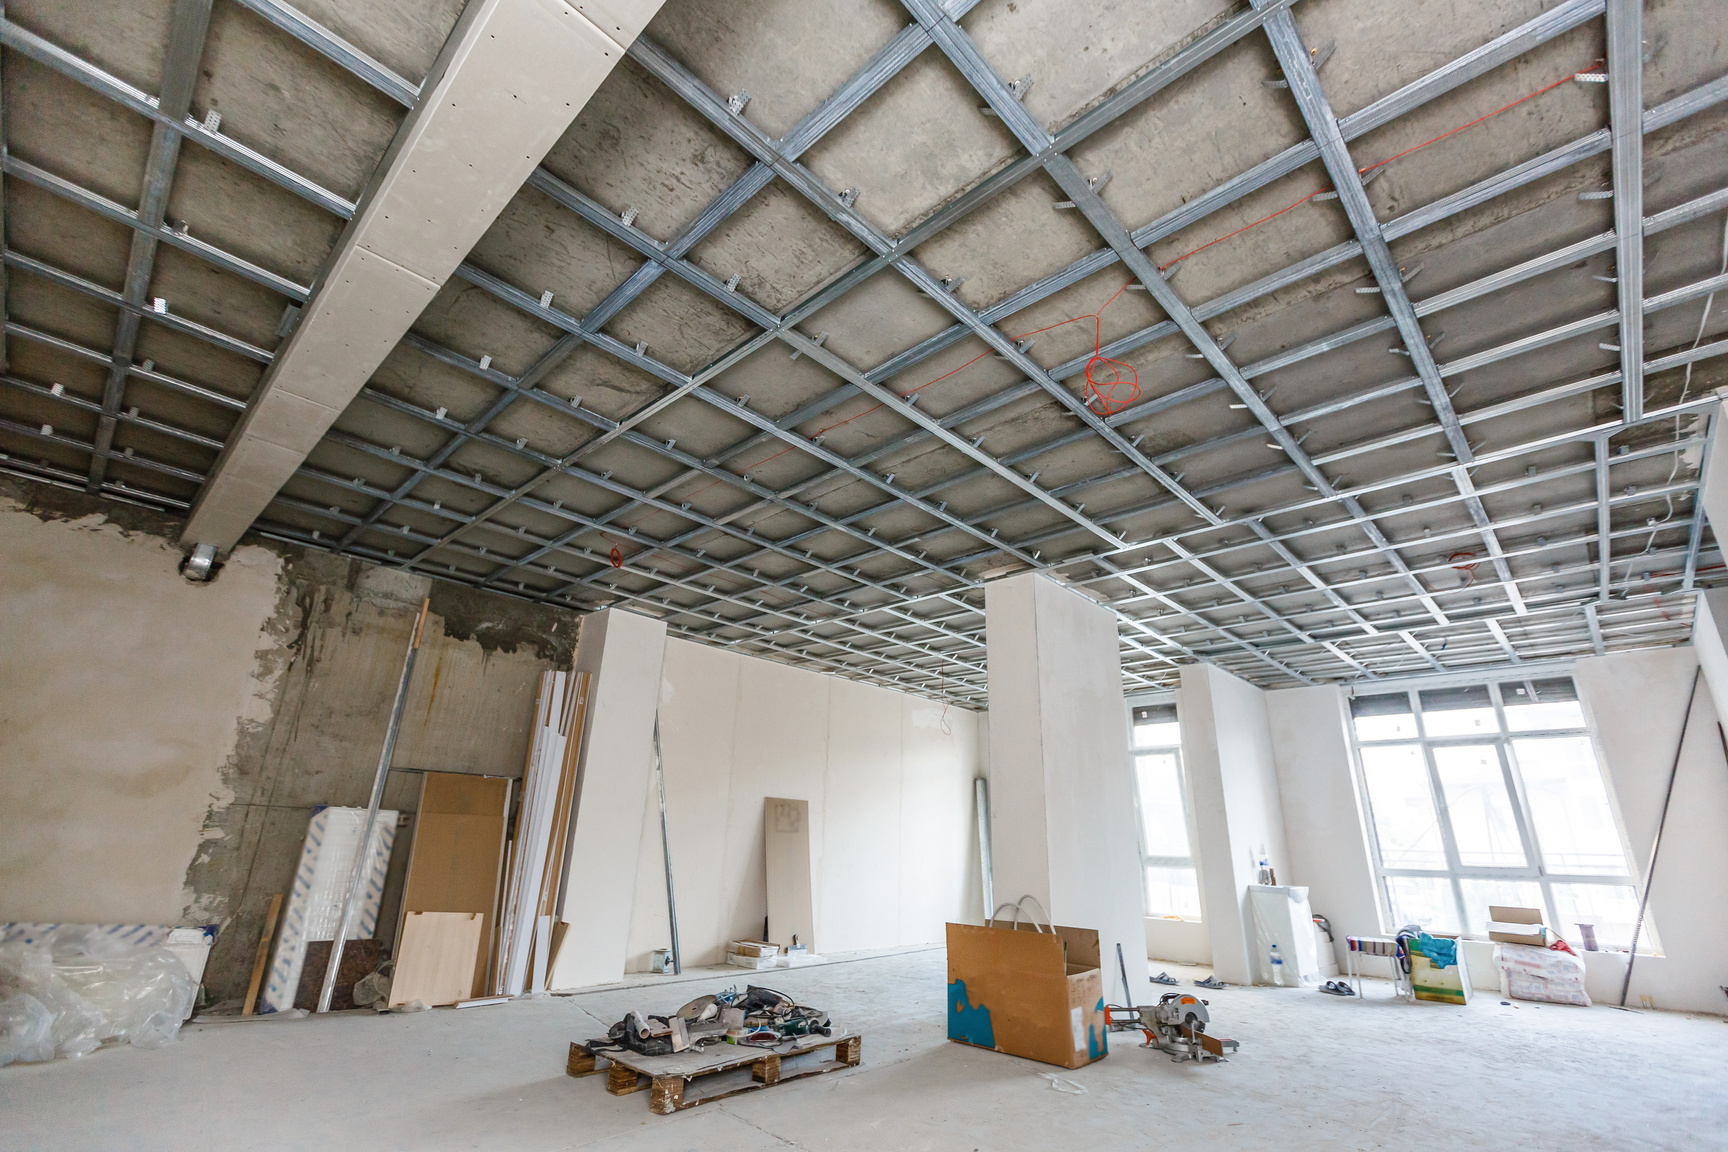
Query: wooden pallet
717, 1073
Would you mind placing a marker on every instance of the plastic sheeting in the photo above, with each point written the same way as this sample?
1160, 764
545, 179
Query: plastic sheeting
71, 989
315, 905
1282, 917
1546, 975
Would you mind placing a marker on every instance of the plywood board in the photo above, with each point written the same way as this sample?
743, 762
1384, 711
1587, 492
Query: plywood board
435, 957
457, 859
786, 834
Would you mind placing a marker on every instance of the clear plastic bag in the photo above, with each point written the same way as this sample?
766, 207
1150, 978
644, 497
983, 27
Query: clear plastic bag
93, 989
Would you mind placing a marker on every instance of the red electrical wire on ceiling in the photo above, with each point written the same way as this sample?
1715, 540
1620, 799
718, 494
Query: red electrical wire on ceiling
1111, 384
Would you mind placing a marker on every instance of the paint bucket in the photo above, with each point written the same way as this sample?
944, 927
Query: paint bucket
660, 960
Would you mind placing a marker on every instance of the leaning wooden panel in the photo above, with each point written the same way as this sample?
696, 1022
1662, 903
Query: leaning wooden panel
686, 1079
435, 957
456, 863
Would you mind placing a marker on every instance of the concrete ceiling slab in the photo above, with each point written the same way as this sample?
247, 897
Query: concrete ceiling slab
288, 102
903, 174
780, 248
635, 145
72, 132
684, 328
538, 246
914, 145
403, 35
250, 217
788, 54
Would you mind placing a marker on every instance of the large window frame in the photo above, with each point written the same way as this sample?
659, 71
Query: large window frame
1455, 872
1154, 729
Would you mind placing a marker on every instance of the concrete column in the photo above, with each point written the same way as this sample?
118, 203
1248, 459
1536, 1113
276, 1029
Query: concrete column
1062, 803
624, 653
1233, 786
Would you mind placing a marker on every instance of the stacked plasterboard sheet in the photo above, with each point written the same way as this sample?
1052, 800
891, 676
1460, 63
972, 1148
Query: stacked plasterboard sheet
537, 856
315, 905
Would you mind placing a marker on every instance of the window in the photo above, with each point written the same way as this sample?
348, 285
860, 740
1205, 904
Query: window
1162, 797
1492, 794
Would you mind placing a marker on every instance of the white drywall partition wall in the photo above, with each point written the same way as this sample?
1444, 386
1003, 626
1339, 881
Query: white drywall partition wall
624, 653
888, 777
1325, 827
1710, 642
1634, 701
1061, 799
1227, 746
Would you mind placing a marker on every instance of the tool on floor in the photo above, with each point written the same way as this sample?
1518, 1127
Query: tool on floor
1177, 1025
1130, 1013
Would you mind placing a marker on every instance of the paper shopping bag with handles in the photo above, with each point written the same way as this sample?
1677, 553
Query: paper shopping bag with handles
1027, 989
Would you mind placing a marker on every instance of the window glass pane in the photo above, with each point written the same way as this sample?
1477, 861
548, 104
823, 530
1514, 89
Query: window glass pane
1538, 705
1483, 826
1155, 726
1611, 908
1172, 892
1164, 823
1383, 717
1569, 805
1458, 712
1420, 900
1479, 894
1403, 807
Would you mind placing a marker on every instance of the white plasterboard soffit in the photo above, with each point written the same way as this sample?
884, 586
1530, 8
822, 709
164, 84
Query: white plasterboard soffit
510, 80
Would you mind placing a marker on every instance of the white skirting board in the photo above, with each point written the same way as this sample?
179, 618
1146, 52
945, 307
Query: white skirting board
315, 905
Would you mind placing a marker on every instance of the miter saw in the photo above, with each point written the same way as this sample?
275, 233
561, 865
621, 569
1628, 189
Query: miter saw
1177, 1025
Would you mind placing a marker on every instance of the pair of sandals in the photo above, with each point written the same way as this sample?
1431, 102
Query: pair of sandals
1337, 988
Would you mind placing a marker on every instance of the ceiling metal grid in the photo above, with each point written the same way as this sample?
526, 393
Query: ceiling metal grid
1338, 582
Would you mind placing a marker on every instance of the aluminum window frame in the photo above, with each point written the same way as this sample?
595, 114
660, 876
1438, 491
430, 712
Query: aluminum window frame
1455, 872
1147, 858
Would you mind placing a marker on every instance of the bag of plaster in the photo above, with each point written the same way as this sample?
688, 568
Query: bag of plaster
1545, 975
92, 989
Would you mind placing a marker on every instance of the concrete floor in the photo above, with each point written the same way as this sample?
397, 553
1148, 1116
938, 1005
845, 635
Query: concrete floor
1313, 1072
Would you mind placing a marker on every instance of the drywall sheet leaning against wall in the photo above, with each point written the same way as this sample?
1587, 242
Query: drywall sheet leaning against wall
457, 859
315, 904
622, 653
786, 836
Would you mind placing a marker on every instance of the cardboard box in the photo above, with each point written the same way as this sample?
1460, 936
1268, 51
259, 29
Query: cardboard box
758, 962
1028, 992
753, 948
1536, 937
1443, 980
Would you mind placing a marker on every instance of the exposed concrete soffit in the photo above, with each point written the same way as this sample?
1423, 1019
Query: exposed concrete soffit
512, 76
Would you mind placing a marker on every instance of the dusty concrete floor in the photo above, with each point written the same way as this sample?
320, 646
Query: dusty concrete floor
1314, 1072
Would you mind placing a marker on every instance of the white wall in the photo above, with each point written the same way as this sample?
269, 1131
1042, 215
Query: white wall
1062, 803
1325, 827
1635, 701
1227, 747
888, 776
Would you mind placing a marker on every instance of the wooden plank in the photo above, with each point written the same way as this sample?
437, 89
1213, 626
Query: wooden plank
686, 1079
458, 855
263, 959
786, 835
436, 957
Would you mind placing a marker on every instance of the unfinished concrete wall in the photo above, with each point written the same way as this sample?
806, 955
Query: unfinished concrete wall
888, 776
123, 691
163, 745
